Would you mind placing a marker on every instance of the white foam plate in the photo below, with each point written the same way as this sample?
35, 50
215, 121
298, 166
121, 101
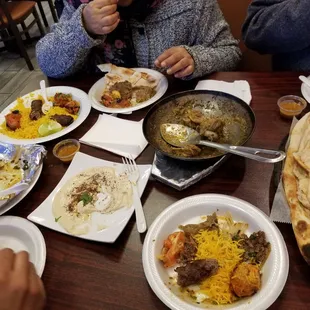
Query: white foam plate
305, 90
190, 210
96, 92
114, 223
77, 94
19, 234
8, 205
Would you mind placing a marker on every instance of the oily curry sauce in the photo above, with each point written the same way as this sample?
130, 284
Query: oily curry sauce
234, 129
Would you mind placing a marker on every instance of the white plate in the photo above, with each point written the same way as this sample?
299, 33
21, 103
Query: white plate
305, 90
189, 210
114, 223
96, 92
19, 234
8, 205
77, 94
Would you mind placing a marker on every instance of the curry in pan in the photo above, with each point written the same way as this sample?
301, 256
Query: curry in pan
217, 117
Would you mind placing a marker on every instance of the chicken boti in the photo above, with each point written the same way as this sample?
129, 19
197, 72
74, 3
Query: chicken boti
13, 120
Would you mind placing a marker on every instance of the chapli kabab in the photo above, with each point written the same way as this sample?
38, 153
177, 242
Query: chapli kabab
30, 120
215, 261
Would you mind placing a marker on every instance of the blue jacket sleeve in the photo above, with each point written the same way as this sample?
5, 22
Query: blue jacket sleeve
64, 50
277, 26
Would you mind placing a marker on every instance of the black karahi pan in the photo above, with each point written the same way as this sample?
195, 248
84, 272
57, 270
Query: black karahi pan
238, 118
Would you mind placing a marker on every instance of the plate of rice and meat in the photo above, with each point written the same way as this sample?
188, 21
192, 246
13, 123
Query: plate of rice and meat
215, 252
30, 119
124, 90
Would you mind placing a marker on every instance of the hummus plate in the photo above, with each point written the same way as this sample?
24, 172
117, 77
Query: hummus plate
104, 226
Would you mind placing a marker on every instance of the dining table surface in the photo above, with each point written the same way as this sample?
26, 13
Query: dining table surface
86, 275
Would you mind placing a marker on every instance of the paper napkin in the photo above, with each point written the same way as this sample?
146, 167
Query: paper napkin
240, 89
116, 135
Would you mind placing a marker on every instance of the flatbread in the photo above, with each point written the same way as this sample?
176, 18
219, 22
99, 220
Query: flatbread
128, 74
296, 180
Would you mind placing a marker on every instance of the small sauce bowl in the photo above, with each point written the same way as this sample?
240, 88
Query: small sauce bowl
291, 106
66, 149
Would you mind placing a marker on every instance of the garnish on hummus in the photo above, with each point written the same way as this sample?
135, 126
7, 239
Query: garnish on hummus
98, 190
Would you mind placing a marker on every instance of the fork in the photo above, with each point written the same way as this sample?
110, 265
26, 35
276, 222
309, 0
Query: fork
133, 176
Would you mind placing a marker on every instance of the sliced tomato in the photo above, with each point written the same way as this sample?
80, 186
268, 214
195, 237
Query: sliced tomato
173, 247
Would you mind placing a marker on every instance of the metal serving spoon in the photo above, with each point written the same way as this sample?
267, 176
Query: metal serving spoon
179, 136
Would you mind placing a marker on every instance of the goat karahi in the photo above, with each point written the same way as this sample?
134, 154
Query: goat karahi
99, 190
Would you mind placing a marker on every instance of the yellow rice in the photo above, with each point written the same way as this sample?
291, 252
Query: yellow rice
220, 246
29, 128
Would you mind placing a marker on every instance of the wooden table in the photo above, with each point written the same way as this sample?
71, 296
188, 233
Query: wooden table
87, 275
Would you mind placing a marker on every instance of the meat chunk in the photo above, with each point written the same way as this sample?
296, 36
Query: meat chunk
190, 150
256, 247
65, 101
211, 223
196, 271
196, 116
124, 88
246, 280
143, 93
36, 110
13, 120
63, 120
189, 249
61, 99
212, 124
210, 135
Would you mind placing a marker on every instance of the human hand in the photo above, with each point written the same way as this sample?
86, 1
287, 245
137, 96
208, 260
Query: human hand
178, 61
20, 286
100, 16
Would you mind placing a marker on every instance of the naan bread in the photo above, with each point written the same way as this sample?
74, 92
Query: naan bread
296, 180
126, 74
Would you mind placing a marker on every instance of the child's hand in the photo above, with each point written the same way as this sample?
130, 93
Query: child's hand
178, 60
100, 16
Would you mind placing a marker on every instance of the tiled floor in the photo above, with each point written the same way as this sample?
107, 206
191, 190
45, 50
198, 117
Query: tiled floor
15, 78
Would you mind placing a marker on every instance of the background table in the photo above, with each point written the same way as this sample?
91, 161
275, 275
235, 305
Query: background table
86, 275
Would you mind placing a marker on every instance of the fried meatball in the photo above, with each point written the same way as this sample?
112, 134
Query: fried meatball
246, 280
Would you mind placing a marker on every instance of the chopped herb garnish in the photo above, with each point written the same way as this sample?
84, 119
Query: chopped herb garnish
15, 112
86, 198
16, 167
57, 219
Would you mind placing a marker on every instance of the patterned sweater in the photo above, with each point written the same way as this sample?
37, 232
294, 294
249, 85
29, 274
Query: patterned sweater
281, 28
198, 25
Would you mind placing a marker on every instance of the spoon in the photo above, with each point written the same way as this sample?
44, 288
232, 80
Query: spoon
305, 80
179, 135
47, 104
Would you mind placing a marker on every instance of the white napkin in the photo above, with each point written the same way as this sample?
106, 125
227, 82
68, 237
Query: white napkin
116, 135
240, 89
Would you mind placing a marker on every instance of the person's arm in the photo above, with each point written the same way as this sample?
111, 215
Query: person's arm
214, 48
277, 26
64, 50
